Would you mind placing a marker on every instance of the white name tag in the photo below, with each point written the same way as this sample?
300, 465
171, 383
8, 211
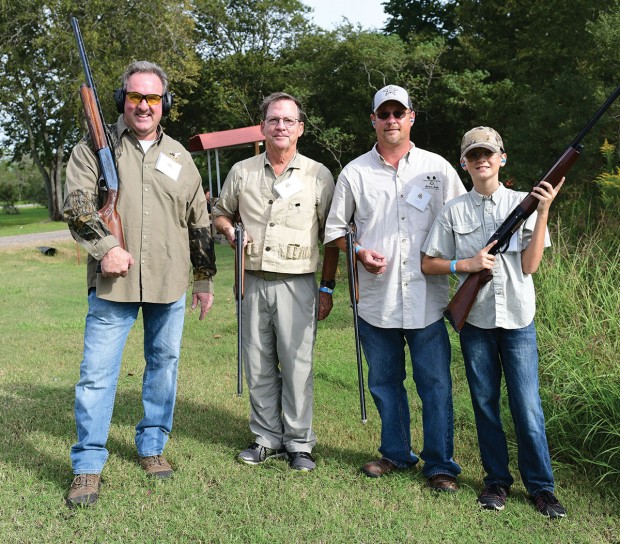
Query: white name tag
418, 199
168, 166
286, 189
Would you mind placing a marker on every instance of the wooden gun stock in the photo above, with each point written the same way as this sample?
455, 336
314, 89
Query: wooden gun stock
108, 212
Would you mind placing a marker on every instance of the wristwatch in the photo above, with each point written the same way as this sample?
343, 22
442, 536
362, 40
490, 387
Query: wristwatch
327, 286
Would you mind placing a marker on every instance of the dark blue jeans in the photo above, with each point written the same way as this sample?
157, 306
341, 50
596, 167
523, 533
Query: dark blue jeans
488, 353
430, 356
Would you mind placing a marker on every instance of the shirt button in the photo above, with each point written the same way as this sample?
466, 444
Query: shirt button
267, 248
404, 240
146, 213
403, 218
146, 189
271, 224
271, 202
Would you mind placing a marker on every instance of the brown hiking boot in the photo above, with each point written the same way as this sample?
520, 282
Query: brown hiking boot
84, 490
156, 466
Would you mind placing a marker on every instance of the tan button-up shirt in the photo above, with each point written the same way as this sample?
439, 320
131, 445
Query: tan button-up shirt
163, 213
284, 216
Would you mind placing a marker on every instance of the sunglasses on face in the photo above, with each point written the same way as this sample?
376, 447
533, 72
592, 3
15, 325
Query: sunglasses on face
136, 98
385, 115
479, 153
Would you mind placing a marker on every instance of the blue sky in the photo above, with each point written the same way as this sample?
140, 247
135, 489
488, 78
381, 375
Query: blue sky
328, 13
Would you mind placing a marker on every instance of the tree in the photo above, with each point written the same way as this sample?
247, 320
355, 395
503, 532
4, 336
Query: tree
239, 42
40, 69
428, 18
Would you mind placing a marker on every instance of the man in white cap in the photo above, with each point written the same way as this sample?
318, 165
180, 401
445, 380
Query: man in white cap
393, 193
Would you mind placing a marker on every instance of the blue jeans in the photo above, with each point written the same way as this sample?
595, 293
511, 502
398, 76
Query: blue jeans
488, 353
107, 326
430, 356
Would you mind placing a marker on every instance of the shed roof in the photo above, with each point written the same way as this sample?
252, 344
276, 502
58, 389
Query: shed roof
225, 139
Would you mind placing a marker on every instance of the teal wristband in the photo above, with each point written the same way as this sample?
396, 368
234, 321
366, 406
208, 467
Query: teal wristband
326, 290
357, 248
453, 267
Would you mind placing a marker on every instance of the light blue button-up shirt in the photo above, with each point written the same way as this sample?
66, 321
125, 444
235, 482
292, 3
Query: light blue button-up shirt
462, 229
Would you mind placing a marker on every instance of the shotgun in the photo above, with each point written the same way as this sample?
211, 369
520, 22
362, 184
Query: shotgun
101, 142
354, 294
459, 307
239, 290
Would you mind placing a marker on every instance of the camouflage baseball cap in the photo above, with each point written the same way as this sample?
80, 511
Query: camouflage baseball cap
485, 137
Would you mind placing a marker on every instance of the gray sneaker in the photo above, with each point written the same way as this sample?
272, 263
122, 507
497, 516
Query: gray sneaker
301, 460
257, 454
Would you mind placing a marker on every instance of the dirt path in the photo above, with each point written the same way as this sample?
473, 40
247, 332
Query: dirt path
39, 239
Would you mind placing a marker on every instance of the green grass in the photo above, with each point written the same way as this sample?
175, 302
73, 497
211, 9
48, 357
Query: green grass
212, 498
29, 220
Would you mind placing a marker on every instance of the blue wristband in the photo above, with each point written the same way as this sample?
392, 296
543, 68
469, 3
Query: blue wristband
357, 248
453, 267
326, 290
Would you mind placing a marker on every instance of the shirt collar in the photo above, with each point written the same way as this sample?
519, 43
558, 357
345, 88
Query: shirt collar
122, 127
377, 156
294, 163
495, 196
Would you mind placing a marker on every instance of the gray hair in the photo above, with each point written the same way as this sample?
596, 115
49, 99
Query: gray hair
274, 97
145, 67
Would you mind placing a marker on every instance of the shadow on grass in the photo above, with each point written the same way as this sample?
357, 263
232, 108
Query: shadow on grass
34, 416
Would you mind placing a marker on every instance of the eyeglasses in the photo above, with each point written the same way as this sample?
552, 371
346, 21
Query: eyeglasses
275, 121
479, 153
136, 98
385, 115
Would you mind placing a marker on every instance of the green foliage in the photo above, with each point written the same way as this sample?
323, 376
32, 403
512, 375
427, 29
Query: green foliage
609, 184
578, 319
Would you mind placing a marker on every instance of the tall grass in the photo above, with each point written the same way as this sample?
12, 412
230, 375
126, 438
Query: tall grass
578, 320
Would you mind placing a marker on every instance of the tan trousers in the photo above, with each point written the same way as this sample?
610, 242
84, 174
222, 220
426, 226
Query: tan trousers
279, 330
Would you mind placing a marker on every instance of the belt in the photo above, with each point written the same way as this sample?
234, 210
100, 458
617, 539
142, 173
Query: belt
271, 276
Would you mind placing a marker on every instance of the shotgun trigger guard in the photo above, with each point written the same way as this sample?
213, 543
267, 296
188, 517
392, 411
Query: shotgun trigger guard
102, 185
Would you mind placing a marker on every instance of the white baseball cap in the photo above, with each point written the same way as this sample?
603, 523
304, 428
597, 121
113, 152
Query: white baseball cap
391, 92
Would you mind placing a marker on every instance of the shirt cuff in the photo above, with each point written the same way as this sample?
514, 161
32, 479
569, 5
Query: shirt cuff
203, 286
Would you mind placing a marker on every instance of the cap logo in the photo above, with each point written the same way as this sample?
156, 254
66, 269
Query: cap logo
390, 90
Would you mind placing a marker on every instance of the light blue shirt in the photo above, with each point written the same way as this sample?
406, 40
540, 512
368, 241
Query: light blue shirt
462, 229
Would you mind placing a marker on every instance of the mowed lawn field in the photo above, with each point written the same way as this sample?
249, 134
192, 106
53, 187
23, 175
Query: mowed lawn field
213, 498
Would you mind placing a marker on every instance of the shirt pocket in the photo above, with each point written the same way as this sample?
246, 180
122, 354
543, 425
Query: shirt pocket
299, 215
368, 204
469, 239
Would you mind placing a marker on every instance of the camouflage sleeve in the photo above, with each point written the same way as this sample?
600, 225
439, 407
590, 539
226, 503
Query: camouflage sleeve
80, 213
202, 255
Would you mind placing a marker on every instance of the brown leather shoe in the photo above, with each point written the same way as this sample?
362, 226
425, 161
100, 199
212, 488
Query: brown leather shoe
84, 490
376, 469
157, 466
443, 482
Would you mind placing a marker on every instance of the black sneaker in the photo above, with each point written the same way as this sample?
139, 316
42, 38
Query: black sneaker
301, 460
493, 497
548, 505
257, 454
